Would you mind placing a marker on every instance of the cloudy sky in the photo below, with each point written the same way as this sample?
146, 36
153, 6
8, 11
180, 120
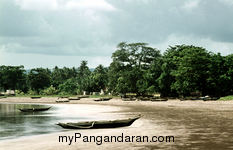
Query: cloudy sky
49, 33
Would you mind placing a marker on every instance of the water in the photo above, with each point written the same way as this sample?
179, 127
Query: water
14, 123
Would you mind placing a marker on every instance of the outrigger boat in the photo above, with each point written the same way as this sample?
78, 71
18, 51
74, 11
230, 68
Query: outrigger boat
34, 109
99, 124
103, 99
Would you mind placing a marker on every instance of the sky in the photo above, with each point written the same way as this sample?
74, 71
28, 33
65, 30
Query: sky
49, 33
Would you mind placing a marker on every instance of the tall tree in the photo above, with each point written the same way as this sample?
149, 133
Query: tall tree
189, 66
38, 79
217, 81
59, 76
130, 61
227, 75
99, 79
12, 77
83, 76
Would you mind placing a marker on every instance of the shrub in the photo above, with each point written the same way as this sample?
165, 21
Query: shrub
49, 91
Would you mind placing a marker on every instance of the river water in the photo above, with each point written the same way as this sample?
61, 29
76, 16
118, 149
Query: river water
14, 123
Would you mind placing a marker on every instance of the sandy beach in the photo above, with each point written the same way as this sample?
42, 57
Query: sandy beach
193, 124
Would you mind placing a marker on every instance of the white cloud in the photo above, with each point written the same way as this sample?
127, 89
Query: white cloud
91, 29
222, 47
37, 4
67, 5
10, 47
190, 5
227, 2
89, 4
50, 61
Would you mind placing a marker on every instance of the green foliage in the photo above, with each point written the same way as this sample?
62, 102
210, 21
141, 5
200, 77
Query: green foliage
229, 97
18, 92
192, 69
130, 62
69, 87
136, 68
83, 77
99, 79
49, 91
31, 92
185, 68
59, 76
38, 79
12, 77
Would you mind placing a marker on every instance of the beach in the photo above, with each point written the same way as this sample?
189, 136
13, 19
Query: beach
192, 124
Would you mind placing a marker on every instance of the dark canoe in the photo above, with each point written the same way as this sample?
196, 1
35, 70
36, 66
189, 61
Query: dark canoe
35, 97
73, 98
103, 99
63, 97
34, 109
97, 100
144, 99
106, 98
99, 124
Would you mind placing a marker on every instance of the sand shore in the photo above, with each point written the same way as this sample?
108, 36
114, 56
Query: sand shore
193, 124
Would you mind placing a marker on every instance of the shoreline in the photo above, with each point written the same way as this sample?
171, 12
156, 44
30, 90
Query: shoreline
194, 124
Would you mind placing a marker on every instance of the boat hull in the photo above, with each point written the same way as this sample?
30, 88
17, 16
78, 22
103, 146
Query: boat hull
99, 124
34, 109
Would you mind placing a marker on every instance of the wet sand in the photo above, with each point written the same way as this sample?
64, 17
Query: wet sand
193, 124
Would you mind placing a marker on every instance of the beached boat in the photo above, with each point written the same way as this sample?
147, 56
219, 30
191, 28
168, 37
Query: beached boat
62, 101
63, 97
103, 99
99, 124
128, 99
35, 97
97, 100
34, 109
73, 98
159, 100
144, 99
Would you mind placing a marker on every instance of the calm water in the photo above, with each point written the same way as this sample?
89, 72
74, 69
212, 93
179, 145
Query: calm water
14, 123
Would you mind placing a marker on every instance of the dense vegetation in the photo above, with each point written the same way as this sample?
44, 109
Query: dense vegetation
183, 70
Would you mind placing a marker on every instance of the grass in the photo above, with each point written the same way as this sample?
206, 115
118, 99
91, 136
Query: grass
226, 98
97, 96
56, 95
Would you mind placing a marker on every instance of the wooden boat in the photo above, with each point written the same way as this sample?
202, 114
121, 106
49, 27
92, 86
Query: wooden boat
211, 99
63, 97
99, 124
34, 109
159, 100
144, 99
73, 98
128, 99
97, 100
62, 101
103, 99
35, 97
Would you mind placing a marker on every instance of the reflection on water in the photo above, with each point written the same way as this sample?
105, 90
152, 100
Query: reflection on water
14, 123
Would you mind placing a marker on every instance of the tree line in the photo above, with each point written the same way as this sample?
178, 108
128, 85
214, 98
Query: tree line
182, 70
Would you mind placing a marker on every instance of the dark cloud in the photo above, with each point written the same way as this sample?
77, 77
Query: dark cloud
155, 21
86, 28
